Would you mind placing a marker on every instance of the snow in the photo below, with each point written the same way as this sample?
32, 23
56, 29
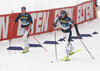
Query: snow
40, 60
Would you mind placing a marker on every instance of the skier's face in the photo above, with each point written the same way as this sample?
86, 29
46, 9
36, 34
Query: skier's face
62, 15
23, 11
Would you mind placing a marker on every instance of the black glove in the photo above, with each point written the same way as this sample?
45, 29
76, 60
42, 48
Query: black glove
54, 24
78, 34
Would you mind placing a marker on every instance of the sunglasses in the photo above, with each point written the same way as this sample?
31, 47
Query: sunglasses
62, 15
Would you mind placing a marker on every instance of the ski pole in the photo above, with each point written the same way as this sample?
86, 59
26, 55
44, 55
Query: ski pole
11, 33
55, 44
37, 41
86, 47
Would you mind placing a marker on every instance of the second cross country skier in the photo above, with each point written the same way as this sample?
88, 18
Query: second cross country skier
26, 23
66, 24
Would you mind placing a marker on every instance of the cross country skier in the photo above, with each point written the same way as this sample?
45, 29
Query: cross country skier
66, 24
26, 22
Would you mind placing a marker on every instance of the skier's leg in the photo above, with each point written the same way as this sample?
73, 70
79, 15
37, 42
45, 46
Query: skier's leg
71, 48
70, 44
26, 46
66, 36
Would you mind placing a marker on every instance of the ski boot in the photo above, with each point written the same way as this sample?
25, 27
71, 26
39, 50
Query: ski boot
68, 58
26, 49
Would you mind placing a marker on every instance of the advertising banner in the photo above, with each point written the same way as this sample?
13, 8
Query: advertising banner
43, 20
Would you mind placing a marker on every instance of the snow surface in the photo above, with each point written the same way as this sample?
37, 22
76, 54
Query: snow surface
39, 60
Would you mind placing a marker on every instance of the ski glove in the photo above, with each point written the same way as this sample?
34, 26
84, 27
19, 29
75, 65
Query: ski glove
26, 28
54, 24
78, 34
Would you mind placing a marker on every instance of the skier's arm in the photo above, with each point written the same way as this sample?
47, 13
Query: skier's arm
31, 21
18, 17
75, 25
55, 24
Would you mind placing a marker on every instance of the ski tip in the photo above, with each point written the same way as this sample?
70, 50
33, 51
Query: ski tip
80, 49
